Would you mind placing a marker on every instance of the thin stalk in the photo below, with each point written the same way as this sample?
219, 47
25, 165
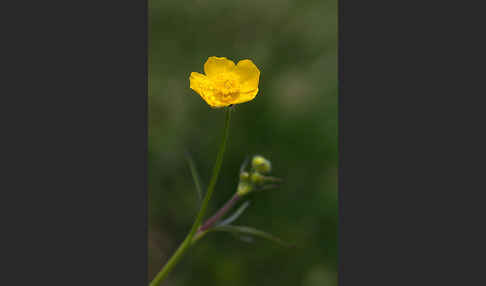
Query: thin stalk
188, 240
222, 211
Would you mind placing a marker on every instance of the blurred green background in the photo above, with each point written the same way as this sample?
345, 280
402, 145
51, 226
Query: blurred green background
292, 121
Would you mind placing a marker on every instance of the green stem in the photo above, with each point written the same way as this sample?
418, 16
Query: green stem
188, 240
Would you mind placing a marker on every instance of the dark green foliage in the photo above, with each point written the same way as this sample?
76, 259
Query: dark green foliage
292, 122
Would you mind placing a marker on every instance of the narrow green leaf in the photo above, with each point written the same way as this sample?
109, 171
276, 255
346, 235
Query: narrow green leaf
195, 176
235, 215
245, 238
245, 230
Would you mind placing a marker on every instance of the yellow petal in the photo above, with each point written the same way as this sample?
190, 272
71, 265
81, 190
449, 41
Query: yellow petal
215, 66
249, 75
204, 87
199, 82
246, 96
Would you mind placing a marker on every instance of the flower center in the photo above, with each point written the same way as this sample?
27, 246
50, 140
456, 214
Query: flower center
227, 84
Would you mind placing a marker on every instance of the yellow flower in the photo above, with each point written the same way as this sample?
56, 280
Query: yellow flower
226, 83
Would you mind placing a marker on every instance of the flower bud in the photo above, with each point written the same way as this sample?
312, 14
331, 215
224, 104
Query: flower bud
257, 178
261, 164
244, 176
244, 188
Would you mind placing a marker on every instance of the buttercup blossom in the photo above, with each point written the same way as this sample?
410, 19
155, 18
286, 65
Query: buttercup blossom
225, 83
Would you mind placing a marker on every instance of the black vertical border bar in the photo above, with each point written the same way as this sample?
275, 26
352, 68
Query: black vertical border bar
144, 278
74, 185
412, 172
340, 141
